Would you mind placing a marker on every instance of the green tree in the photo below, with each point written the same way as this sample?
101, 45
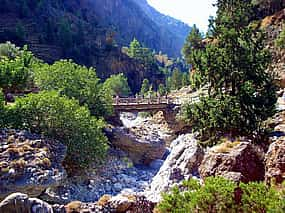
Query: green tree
168, 84
9, 51
118, 84
176, 79
16, 68
234, 65
220, 195
134, 50
64, 120
280, 41
2, 101
145, 87
161, 89
77, 82
143, 54
65, 33
185, 79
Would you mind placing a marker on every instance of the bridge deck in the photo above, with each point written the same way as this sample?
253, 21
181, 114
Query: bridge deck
143, 104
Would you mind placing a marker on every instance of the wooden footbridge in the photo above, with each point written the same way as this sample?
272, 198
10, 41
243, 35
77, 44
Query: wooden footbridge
144, 104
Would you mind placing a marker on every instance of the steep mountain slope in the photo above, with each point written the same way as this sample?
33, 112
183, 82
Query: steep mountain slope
176, 30
136, 18
80, 30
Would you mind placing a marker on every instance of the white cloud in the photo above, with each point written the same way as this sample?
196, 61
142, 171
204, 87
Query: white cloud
189, 11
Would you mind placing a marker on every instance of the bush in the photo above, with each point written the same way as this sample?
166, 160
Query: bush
118, 84
77, 82
15, 68
2, 100
2, 112
221, 195
280, 41
213, 117
64, 120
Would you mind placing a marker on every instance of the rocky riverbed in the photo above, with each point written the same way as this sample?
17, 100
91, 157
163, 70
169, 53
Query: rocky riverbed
137, 152
117, 175
130, 181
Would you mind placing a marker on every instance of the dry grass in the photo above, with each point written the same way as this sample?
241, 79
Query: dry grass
27, 148
73, 207
46, 162
226, 147
11, 139
104, 200
19, 164
4, 170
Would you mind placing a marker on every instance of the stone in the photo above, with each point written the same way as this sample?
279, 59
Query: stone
18, 202
142, 149
182, 163
241, 162
156, 164
275, 162
118, 186
120, 203
29, 165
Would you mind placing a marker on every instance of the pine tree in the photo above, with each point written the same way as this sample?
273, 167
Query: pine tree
185, 79
145, 87
134, 49
241, 94
176, 79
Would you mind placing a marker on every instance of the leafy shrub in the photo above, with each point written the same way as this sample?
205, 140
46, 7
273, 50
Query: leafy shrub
145, 87
2, 100
221, 195
118, 84
212, 117
15, 67
280, 41
64, 120
2, 108
77, 82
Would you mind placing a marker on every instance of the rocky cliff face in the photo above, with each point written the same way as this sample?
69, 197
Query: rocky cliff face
92, 32
136, 18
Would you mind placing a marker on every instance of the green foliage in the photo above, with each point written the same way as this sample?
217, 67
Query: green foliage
9, 50
185, 79
176, 79
257, 197
15, 68
65, 33
137, 51
280, 41
77, 82
118, 85
2, 101
2, 109
211, 117
64, 120
161, 89
193, 46
221, 195
233, 65
145, 87
134, 49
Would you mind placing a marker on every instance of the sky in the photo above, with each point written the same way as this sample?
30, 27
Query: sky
189, 11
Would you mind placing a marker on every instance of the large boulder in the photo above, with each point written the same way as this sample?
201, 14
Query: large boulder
142, 147
182, 163
29, 163
18, 202
275, 162
238, 161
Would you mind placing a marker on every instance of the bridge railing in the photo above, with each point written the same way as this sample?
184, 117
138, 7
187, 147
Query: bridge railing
140, 100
